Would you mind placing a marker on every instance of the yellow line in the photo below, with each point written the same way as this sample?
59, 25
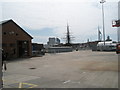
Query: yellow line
21, 84
28, 84
32, 85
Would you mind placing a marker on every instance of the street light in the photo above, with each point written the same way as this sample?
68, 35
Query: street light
102, 2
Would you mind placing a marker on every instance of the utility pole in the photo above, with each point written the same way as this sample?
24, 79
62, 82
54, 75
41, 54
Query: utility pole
102, 2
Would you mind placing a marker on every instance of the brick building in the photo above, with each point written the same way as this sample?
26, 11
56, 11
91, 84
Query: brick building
15, 41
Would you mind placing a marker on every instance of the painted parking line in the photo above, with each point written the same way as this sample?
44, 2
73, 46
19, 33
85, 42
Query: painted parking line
22, 84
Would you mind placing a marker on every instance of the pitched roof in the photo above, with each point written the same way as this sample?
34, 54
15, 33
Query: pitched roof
6, 21
2, 22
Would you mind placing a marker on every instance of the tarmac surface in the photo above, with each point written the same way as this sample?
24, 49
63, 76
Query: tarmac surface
78, 69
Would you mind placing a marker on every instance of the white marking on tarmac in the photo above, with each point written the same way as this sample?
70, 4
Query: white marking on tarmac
20, 85
66, 81
84, 72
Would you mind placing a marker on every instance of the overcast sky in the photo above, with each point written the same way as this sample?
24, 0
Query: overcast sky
48, 18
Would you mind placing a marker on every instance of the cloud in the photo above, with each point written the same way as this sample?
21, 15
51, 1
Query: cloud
1, 11
41, 39
83, 17
56, 1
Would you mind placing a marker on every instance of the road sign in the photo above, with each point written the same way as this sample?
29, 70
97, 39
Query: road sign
116, 23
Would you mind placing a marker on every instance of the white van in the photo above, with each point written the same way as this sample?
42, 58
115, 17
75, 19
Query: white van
109, 46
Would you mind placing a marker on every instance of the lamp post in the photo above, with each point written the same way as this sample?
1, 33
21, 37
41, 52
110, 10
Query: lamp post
102, 2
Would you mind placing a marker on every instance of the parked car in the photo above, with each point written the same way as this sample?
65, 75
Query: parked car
118, 48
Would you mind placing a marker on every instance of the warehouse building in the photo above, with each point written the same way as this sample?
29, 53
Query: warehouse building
15, 41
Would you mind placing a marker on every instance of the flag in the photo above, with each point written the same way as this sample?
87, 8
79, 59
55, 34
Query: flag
100, 32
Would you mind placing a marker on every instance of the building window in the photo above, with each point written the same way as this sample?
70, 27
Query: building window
4, 33
12, 45
4, 45
16, 34
14, 51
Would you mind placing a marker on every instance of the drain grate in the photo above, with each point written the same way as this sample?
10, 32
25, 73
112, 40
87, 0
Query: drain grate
32, 68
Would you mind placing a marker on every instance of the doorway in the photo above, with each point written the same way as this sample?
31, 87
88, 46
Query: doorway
23, 48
